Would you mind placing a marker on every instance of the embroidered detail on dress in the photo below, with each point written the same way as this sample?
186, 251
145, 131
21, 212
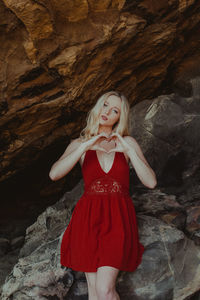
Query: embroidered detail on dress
105, 185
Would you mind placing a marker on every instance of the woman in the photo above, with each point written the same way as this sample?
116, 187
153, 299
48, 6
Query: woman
102, 235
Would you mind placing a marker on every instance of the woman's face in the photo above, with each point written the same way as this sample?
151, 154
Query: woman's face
110, 112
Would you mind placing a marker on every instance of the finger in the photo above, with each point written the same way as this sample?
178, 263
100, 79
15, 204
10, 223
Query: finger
121, 139
98, 148
117, 135
110, 151
113, 150
97, 137
114, 133
103, 135
112, 137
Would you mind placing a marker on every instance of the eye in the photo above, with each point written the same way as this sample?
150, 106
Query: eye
105, 104
115, 111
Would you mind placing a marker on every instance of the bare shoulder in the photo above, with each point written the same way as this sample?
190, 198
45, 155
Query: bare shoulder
131, 140
134, 144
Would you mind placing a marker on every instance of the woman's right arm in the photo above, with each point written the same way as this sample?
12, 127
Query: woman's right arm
72, 155
68, 160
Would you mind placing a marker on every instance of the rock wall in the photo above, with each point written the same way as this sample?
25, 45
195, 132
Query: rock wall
57, 57
168, 215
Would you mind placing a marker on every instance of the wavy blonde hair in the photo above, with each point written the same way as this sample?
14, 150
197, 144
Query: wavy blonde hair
121, 126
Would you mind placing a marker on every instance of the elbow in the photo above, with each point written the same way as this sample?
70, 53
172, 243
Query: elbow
153, 184
52, 176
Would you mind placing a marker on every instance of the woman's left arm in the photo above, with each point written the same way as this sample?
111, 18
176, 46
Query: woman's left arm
140, 164
129, 145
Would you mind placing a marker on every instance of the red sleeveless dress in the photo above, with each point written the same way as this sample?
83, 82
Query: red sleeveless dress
103, 227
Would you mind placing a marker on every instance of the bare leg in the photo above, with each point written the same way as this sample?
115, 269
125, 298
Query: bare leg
91, 281
105, 283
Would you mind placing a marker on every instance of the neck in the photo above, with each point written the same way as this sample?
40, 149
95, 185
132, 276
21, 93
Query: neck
105, 129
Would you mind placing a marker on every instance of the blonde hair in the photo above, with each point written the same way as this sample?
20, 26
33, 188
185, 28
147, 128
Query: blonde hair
92, 127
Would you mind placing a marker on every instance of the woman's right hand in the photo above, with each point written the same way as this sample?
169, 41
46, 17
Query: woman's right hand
72, 154
92, 143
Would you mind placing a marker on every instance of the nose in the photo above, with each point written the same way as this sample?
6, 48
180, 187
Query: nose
107, 111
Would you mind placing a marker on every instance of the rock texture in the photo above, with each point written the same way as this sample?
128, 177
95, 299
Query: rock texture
170, 268
57, 57
169, 216
168, 129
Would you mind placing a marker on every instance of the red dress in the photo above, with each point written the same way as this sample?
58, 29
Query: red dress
103, 227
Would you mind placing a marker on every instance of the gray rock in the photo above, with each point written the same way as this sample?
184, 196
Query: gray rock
165, 128
170, 267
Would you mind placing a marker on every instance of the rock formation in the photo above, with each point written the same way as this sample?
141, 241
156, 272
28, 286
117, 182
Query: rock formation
168, 218
57, 58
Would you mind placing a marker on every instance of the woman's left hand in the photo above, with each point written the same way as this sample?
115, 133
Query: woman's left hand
121, 144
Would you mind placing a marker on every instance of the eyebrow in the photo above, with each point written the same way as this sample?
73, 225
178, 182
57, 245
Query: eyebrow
113, 106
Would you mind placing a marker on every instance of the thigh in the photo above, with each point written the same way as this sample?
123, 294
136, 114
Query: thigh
91, 278
107, 276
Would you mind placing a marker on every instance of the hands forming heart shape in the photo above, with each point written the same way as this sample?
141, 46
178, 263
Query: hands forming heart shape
109, 144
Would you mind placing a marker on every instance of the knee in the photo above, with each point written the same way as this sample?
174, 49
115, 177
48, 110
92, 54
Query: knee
104, 292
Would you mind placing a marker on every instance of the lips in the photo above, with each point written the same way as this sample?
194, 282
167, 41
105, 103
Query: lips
104, 118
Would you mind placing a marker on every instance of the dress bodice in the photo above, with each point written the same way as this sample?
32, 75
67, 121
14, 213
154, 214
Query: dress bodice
96, 180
